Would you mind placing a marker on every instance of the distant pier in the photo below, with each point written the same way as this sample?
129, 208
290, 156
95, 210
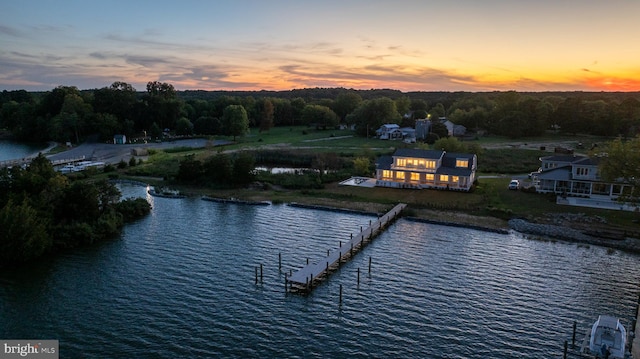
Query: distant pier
306, 278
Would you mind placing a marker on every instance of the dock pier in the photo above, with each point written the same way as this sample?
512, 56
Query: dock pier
305, 279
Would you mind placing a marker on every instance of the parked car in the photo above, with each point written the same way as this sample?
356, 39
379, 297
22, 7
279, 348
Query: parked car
514, 184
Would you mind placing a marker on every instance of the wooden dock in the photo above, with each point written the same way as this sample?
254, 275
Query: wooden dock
306, 278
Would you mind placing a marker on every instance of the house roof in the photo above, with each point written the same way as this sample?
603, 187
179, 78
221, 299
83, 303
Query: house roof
588, 161
563, 158
384, 162
418, 153
454, 171
558, 174
390, 125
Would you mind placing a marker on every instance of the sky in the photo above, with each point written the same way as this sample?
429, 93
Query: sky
407, 45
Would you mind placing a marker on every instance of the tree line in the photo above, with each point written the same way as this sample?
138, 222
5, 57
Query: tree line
42, 211
68, 114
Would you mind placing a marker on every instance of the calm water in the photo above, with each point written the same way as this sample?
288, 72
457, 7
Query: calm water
10, 150
180, 283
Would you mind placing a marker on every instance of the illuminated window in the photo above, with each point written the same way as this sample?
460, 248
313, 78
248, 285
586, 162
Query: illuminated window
431, 164
421, 164
455, 179
386, 174
401, 162
429, 176
462, 163
444, 178
399, 175
415, 176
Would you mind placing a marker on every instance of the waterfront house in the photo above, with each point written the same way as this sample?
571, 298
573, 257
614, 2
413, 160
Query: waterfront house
576, 179
416, 168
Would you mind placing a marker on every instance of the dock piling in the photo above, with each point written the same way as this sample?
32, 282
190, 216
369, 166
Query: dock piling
261, 277
358, 276
340, 302
279, 261
256, 275
369, 264
573, 338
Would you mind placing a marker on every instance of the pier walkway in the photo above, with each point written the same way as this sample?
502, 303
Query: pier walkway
304, 279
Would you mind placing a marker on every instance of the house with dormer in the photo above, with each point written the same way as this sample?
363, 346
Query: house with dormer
575, 176
416, 168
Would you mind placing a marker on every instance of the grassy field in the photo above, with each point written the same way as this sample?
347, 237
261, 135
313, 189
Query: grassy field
490, 198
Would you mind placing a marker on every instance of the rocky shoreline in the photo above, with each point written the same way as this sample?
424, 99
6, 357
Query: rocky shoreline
566, 233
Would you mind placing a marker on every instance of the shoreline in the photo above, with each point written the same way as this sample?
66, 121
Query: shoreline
534, 230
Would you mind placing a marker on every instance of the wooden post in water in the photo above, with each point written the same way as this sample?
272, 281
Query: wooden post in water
256, 275
369, 264
351, 235
261, 273
327, 270
351, 251
307, 260
573, 338
369, 223
279, 261
340, 302
285, 282
339, 258
327, 252
358, 276
564, 356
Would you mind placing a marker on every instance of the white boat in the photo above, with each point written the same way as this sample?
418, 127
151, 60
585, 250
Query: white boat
80, 166
608, 338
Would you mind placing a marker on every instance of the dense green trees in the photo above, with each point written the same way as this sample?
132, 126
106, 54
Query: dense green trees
235, 121
372, 114
41, 211
68, 114
619, 160
218, 170
321, 117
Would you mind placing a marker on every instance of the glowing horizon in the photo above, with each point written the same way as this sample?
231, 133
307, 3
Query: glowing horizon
577, 45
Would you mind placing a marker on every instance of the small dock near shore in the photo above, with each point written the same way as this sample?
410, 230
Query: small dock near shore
306, 278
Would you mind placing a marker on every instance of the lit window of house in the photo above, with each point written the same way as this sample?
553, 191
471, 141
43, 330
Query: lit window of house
582, 171
421, 164
430, 164
401, 162
462, 163
444, 178
399, 175
455, 179
429, 176
415, 176
387, 174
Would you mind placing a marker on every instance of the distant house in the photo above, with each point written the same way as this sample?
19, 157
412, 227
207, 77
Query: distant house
415, 168
389, 131
577, 180
119, 139
452, 128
